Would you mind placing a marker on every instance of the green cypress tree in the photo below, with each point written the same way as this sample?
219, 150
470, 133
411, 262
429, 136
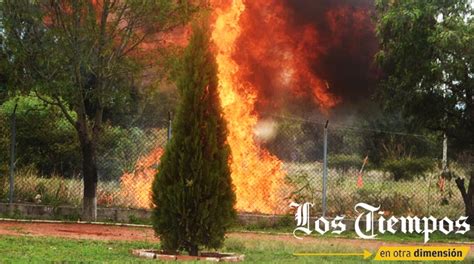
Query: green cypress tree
193, 192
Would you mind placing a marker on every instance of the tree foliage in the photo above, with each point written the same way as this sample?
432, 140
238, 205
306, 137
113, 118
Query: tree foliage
427, 57
84, 57
192, 192
44, 138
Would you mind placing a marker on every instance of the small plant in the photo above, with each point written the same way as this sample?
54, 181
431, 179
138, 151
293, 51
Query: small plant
408, 168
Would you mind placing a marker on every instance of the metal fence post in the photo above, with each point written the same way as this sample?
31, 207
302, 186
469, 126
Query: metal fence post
170, 117
445, 153
12, 154
325, 167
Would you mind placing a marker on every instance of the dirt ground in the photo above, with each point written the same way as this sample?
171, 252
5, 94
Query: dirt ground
126, 233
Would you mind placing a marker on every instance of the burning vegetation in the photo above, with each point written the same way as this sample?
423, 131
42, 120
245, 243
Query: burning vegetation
136, 185
264, 57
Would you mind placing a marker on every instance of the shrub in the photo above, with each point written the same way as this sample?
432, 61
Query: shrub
48, 142
192, 192
44, 137
344, 162
394, 202
408, 168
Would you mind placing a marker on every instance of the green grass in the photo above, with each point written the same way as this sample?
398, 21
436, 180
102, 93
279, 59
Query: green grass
407, 238
436, 237
24, 249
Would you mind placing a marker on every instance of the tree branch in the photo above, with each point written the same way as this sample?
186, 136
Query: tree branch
65, 112
44, 98
57, 102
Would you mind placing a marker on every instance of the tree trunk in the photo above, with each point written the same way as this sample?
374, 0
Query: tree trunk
89, 171
193, 250
470, 198
467, 196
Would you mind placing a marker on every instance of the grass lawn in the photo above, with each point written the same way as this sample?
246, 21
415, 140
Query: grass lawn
286, 227
22, 249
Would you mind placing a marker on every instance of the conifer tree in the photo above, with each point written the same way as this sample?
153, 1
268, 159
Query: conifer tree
193, 193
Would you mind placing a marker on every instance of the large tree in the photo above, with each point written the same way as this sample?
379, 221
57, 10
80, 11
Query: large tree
427, 58
192, 192
83, 56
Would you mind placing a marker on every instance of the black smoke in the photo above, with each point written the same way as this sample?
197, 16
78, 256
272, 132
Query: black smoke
349, 41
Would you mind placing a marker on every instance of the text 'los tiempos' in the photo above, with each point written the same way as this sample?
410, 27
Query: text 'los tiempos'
365, 221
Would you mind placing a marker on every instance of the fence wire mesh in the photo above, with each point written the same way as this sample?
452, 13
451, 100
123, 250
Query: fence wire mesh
403, 173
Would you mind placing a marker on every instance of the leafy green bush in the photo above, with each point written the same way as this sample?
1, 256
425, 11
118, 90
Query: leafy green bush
48, 142
344, 162
408, 168
44, 137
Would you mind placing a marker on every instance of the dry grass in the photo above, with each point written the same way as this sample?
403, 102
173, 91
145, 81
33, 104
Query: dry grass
421, 196
56, 190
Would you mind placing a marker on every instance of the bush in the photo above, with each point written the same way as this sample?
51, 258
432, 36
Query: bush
394, 202
408, 168
192, 192
296, 141
44, 137
344, 162
48, 142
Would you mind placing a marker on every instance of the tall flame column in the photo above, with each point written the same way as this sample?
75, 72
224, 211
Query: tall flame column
256, 174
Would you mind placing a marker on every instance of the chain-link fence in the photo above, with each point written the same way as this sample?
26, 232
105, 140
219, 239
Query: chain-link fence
403, 173
127, 158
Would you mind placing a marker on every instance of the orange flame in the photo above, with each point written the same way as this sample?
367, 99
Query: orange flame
272, 53
256, 174
240, 43
283, 53
136, 186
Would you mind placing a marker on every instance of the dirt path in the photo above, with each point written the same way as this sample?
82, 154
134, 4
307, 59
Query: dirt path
78, 231
125, 233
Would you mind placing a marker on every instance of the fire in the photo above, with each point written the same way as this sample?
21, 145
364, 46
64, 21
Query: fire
256, 49
136, 186
256, 174
242, 49
276, 56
